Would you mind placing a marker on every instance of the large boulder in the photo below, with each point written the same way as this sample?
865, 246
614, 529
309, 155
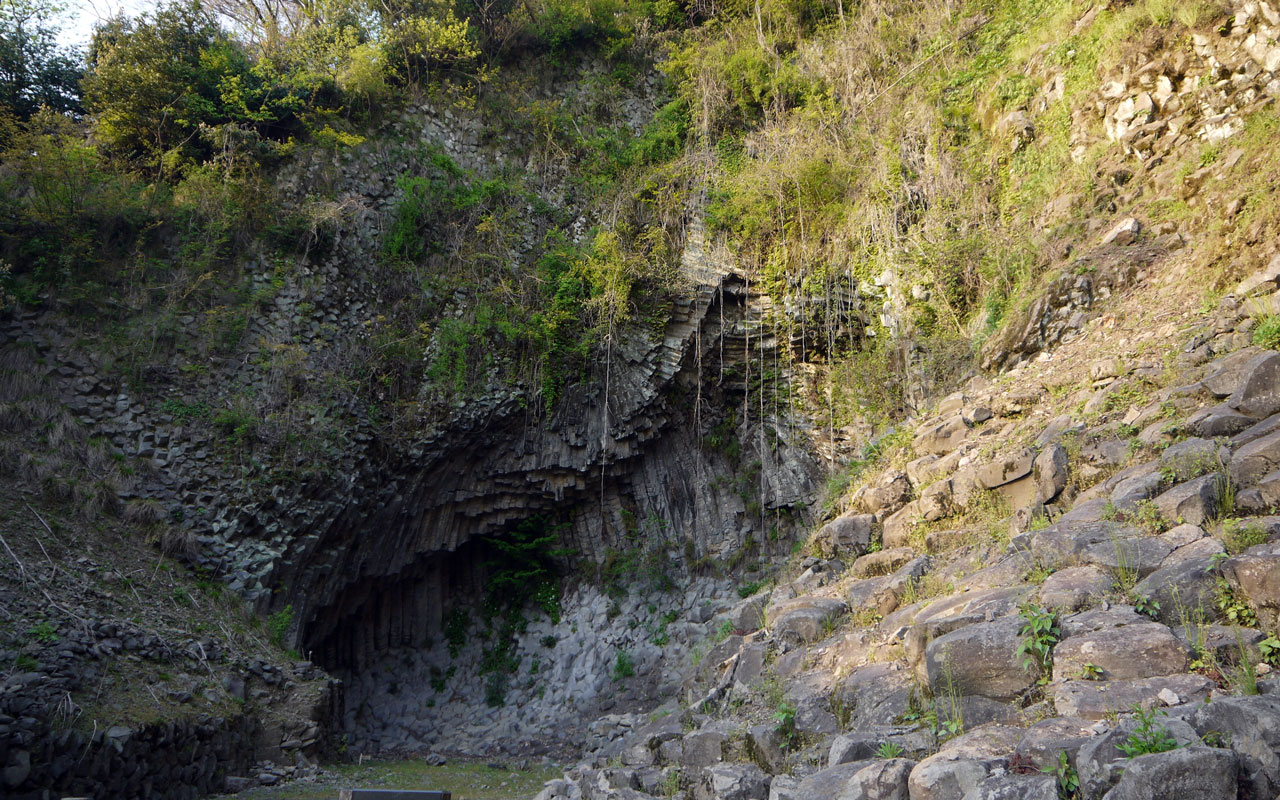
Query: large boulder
1010, 786
1134, 651
1256, 459
1258, 392
1102, 699
1219, 420
882, 780
874, 695
1251, 727
942, 778
1189, 583
956, 611
748, 615
1100, 762
891, 494
1255, 574
1143, 485
846, 536
768, 748
962, 764
1195, 501
1177, 774
980, 659
864, 743
1225, 374
1192, 458
830, 783
1140, 554
1050, 472
1074, 588
733, 782
1063, 544
882, 562
1005, 469
1043, 741
941, 437
806, 619
702, 749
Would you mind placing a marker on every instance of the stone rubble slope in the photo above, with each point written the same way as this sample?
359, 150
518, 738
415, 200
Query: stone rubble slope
895, 663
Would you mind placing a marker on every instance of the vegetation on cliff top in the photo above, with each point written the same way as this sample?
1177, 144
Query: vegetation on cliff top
841, 150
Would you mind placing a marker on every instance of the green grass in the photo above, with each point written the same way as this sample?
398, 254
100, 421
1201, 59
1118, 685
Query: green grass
466, 780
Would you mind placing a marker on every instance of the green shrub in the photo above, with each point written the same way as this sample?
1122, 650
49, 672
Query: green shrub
171, 89
1267, 332
624, 666
278, 625
1039, 634
1148, 737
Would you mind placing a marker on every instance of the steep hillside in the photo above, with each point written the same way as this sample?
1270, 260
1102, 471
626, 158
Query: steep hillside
442, 377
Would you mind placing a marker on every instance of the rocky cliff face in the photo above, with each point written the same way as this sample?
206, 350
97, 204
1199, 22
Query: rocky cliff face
373, 552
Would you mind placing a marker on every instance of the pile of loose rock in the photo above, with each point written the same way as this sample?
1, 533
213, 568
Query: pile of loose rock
1115, 629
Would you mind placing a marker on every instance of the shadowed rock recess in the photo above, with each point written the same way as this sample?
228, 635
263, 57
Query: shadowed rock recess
785, 400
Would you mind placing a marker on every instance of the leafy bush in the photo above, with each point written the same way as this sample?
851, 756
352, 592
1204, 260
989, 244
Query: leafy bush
171, 89
278, 625
1039, 633
1148, 737
522, 567
35, 71
624, 666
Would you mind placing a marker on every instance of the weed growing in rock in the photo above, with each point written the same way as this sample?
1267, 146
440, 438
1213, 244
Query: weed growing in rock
724, 631
455, 630
1147, 606
1068, 782
44, 633
1090, 672
1234, 608
785, 717
1267, 332
1146, 515
1270, 650
1039, 633
1240, 535
1148, 737
624, 666
889, 750
278, 625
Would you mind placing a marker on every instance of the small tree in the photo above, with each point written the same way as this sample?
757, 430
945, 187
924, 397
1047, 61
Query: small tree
34, 70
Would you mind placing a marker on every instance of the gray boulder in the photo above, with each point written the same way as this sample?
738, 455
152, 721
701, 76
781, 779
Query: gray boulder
1257, 394
830, 783
882, 780
846, 536
1255, 574
733, 782
806, 619
1100, 762
1074, 588
1256, 459
941, 437
1050, 472
1134, 651
1102, 699
980, 659
1177, 775
748, 615
1044, 740
1251, 727
1194, 502
1183, 584
1015, 787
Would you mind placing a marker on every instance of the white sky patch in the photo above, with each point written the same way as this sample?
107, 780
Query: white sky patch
80, 17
